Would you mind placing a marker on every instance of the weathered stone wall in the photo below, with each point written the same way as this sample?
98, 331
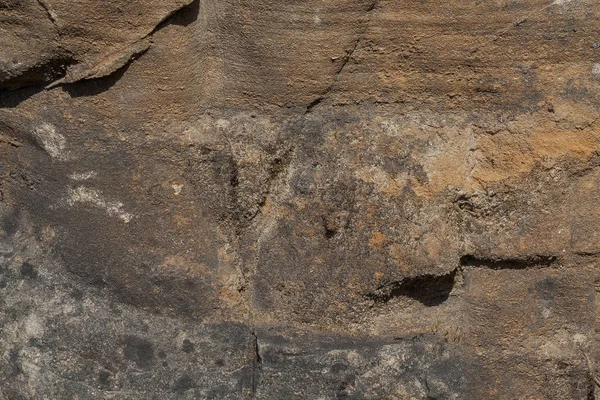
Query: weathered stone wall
362, 199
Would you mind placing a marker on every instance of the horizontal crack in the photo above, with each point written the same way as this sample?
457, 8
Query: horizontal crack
429, 290
433, 290
117, 60
538, 261
106, 66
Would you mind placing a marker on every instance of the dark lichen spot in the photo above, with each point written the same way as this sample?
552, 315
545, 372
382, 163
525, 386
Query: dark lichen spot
184, 383
338, 367
77, 294
189, 283
187, 347
139, 350
220, 362
348, 381
13, 357
28, 271
162, 354
330, 233
547, 288
10, 223
103, 377
234, 178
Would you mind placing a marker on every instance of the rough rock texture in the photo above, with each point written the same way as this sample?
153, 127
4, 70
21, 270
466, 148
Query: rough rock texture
361, 199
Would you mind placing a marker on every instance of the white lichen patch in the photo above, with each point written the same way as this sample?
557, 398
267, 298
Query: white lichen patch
177, 189
596, 70
50, 140
95, 198
223, 123
580, 339
34, 327
561, 2
83, 176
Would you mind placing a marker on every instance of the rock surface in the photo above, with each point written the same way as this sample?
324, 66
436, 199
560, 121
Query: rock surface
361, 199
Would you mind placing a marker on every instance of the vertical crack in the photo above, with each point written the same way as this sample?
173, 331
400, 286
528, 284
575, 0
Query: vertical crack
256, 363
345, 60
427, 388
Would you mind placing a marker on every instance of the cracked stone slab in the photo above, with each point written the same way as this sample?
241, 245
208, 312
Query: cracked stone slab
323, 199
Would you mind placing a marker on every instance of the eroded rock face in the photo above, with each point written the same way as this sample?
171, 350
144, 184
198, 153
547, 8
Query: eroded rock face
319, 199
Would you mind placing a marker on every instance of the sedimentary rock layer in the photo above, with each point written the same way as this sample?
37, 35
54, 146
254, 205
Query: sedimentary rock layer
319, 199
